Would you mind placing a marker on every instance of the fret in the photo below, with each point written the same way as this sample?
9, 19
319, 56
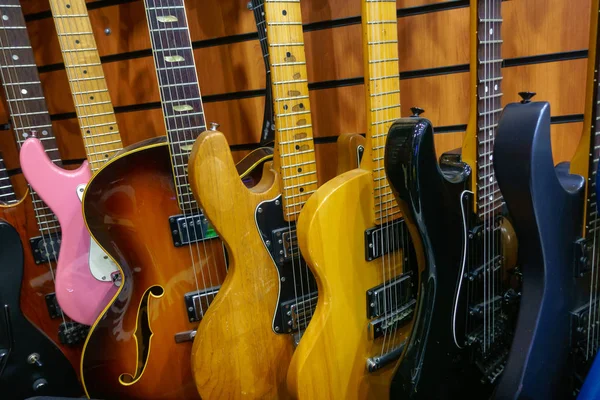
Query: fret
295, 196
86, 78
180, 93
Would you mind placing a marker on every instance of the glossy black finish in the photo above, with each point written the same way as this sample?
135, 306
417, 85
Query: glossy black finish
429, 195
546, 206
296, 281
22, 373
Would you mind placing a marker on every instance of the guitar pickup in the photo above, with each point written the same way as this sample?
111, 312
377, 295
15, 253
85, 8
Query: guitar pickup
197, 302
493, 305
43, 248
392, 321
54, 309
298, 313
285, 244
583, 257
382, 240
72, 333
187, 229
391, 295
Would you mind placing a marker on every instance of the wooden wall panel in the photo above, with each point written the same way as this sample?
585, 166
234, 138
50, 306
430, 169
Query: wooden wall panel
230, 65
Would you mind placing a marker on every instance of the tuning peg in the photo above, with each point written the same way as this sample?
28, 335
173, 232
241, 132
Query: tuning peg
416, 111
526, 96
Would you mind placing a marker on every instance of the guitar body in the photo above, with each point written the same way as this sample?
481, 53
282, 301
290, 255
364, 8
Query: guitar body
236, 353
37, 280
83, 278
30, 364
429, 195
334, 349
546, 205
131, 351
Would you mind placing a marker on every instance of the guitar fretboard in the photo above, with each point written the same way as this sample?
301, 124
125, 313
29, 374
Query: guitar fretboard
93, 105
294, 148
591, 203
24, 96
489, 107
7, 192
380, 39
259, 16
179, 89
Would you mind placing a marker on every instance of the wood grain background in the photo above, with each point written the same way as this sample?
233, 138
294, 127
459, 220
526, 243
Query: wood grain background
545, 50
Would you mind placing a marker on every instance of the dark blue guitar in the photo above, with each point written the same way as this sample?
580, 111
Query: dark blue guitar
546, 205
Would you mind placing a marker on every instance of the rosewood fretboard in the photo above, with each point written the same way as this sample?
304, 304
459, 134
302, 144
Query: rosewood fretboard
26, 101
489, 104
179, 89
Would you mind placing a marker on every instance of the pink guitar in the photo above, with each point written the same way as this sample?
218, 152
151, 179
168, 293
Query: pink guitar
86, 277
84, 274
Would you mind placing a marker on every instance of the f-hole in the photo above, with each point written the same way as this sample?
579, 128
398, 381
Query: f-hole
143, 332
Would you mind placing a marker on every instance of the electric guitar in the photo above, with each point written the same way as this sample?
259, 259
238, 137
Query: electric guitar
35, 222
244, 343
140, 210
30, 364
354, 240
555, 215
86, 277
465, 245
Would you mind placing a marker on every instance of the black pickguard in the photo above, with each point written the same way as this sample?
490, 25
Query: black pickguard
296, 281
546, 205
429, 194
20, 341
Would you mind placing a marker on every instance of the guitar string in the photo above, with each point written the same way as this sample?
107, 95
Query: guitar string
297, 205
593, 303
43, 220
486, 200
174, 155
192, 75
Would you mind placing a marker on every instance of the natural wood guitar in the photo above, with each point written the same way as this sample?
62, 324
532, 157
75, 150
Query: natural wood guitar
355, 242
244, 344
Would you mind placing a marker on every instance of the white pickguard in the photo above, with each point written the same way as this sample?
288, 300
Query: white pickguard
101, 265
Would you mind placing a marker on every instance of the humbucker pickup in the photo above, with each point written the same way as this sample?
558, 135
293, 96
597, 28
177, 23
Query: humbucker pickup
187, 229
493, 305
285, 244
384, 239
584, 256
43, 248
393, 320
54, 309
297, 313
392, 295
197, 302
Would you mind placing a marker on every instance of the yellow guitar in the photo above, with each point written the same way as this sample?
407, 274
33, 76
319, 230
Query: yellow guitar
351, 234
245, 341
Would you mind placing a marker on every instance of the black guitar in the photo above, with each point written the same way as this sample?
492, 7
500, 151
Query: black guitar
466, 250
30, 364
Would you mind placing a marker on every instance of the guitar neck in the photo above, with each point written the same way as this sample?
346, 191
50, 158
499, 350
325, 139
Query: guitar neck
25, 97
489, 104
179, 89
294, 154
93, 106
258, 9
7, 192
380, 44
592, 113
